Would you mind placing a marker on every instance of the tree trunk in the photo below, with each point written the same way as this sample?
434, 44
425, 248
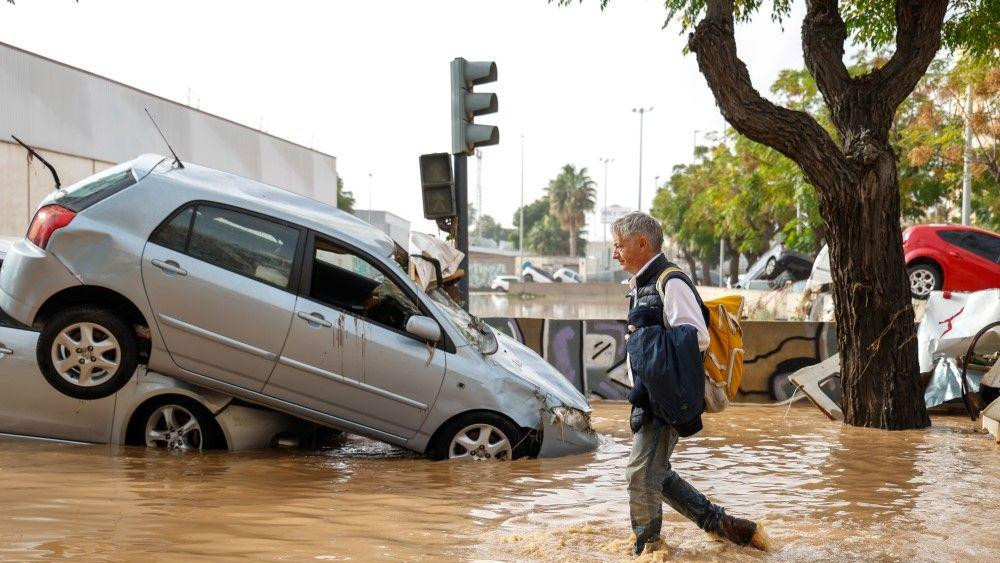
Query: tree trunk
855, 177
874, 311
572, 241
706, 270
692, 268
734, 267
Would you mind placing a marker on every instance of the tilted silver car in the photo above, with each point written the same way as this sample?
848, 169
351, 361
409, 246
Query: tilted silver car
279, 300
151, 410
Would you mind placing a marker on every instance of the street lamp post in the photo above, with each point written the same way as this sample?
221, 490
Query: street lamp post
642, 113
607, 256
520, 237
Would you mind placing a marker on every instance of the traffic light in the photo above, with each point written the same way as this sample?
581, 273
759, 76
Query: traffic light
438, 186
466, 135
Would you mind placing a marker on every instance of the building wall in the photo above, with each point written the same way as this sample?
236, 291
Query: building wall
86, 122
24, 184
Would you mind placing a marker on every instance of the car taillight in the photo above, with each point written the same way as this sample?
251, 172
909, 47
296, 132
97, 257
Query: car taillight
48, 220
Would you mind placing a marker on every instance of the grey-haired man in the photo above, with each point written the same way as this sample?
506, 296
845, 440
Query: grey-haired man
638, 239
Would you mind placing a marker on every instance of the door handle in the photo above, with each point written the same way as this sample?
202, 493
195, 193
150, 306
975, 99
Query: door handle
314, 319
170, 266
5, 351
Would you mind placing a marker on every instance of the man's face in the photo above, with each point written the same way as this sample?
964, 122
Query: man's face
631, 252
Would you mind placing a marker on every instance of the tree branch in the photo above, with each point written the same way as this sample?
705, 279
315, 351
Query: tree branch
823, 37
918, 38
794, 134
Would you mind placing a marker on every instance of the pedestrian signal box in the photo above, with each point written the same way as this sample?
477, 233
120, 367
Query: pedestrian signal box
438, 186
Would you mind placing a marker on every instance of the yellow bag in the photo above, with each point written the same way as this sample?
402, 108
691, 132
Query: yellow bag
724, 356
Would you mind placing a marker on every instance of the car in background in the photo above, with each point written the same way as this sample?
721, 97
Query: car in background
950, 258
535, 274
566, 275
779, 264
502, 283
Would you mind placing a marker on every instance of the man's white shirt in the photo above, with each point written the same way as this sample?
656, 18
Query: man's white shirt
680, 306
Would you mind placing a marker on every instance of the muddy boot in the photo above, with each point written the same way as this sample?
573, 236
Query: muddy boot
742, 532
639, 546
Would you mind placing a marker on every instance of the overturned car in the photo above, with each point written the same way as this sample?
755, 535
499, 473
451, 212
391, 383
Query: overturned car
278, 300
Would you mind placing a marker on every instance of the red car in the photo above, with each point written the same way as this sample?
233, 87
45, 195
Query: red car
951, 258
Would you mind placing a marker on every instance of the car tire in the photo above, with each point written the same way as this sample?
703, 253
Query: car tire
87, 352
771, 267
528, 278
924, 277
175, 423
480, 436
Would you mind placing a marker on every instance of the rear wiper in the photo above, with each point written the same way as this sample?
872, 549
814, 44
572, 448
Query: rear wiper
32, 153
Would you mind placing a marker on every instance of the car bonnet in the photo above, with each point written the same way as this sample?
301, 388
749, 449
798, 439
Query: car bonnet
529, 366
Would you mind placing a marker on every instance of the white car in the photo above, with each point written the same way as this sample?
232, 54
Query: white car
566, 275
502, 283
533, 274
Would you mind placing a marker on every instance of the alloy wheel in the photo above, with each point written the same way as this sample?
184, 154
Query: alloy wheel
86, 354
922, 282
174, 427
481, 442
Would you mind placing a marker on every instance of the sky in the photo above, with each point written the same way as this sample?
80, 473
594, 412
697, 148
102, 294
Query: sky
368, 81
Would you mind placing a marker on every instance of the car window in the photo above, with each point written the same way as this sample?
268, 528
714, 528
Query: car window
343, 279
173, 234
984, 245
241, 243
85, 193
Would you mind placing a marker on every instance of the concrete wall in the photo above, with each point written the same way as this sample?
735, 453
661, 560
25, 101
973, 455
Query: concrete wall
87, 122
24, 184
591, 354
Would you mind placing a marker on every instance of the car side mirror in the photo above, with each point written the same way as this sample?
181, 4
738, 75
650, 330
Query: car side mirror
425, 328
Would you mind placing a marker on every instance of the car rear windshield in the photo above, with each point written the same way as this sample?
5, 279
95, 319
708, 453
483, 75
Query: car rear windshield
85, 193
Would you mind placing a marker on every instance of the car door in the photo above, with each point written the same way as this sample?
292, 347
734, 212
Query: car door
219, 284
967, 266
347, 353
29, 406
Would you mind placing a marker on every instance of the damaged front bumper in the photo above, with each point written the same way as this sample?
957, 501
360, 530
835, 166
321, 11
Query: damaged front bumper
566, 431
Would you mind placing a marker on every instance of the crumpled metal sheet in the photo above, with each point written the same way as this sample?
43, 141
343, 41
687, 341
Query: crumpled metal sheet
946, 383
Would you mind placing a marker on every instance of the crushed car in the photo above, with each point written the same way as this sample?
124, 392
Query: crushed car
280, 301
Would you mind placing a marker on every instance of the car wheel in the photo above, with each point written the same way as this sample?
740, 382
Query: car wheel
924, 278
87, 352
529, 278
482, 436
770, 267
176, 423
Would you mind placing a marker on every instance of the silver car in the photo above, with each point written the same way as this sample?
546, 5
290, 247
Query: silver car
151, 410
278, 300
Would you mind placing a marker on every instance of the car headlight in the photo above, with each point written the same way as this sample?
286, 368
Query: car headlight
574, 418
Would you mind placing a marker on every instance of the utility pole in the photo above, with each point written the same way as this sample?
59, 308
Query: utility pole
479, 190
371, 198
642, 112
604, 211
520, 236
966, 172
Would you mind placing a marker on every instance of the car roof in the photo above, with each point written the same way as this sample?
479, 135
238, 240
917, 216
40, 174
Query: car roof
223, 187
953, 227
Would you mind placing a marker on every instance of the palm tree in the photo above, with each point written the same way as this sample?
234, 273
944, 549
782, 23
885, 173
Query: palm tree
571, 196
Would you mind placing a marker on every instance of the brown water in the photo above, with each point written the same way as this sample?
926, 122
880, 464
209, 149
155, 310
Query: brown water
826, 491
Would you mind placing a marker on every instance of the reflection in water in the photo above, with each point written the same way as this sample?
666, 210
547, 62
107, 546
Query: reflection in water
827, 492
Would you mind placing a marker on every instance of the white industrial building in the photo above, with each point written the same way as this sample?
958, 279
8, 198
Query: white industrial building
83, 123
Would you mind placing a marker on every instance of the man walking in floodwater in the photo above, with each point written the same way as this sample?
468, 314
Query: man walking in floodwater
638, 240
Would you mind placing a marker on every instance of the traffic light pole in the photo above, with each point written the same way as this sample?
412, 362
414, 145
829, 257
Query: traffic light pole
462, 229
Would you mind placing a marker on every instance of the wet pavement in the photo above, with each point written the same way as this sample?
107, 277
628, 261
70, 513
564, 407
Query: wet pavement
826, 491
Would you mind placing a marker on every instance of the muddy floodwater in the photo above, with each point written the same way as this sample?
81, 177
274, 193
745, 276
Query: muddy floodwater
827, 492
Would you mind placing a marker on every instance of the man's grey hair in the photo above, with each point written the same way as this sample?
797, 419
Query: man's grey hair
639, 223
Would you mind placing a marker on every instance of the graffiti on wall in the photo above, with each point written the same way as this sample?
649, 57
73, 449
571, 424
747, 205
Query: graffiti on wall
591, 354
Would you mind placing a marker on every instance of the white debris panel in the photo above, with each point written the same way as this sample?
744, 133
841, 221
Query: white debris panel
428, 246
950, 322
